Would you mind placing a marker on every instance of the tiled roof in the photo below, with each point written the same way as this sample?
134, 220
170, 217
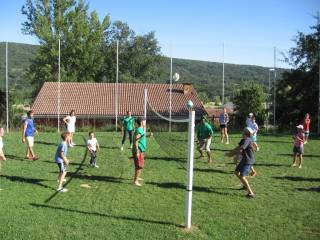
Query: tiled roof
215, 112
98, 99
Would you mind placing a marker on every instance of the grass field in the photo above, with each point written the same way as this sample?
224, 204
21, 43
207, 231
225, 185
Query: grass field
287, 203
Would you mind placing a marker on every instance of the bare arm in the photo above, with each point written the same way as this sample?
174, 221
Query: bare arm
64, 158
24, 132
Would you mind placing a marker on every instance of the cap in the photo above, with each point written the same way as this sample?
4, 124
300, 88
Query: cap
300, 126
250, 114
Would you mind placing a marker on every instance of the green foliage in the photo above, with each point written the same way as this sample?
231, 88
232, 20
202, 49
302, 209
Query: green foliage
250, 98
297, 92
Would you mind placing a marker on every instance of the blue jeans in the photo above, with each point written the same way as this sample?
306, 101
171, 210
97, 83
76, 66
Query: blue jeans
93, 159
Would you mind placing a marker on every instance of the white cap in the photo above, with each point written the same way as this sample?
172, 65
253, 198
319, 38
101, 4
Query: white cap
300, 126
250, 114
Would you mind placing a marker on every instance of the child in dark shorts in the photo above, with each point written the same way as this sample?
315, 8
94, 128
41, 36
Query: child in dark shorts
243, 168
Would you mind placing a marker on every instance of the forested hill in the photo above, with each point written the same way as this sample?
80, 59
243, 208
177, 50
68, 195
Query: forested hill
205, 76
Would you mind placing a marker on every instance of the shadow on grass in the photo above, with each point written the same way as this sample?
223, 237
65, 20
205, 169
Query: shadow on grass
271, 165
134, 219
304, 155
46, 143
195, 188
220, 150
302, 179
273, 141
13, 157
176, 159
312, 189
35, 181
96, 178
211, 170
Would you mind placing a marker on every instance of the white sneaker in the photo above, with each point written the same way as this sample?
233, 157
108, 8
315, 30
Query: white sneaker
70, 145
227, 142
137, 184
63, 190
64, 180
73, 144
121, 148
96, 166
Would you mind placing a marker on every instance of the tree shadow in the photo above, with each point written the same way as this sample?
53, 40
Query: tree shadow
175, 185
176, 159
35, 181
45, 143
312, 189
271, 165
273, 141
134, 219
297, 178
220, 150
211, 170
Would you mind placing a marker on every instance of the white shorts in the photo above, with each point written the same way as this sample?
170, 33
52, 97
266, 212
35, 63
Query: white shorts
205, 143
30, 141
71, 128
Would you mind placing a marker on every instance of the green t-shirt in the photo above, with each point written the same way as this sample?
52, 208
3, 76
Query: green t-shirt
128, 123
142, 142
204, 130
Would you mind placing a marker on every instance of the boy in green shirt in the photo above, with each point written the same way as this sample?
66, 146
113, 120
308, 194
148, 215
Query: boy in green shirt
138, 149
204, 135
128, 129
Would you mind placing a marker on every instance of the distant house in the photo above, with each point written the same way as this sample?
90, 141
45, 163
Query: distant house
94, 103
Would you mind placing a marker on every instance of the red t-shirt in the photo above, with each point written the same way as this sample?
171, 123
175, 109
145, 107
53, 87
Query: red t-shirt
306, 124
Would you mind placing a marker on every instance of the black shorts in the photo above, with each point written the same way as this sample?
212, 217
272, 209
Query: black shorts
223, 125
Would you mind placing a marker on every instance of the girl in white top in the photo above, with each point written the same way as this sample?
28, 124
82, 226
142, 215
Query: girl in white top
2, 157
93, 146
70, 121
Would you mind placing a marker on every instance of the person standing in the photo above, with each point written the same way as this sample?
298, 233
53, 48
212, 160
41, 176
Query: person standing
93, 146
62, 161
298, 147
128, 129
223, 120
70, 121
28, 136
306, 127
138, 150
204, 135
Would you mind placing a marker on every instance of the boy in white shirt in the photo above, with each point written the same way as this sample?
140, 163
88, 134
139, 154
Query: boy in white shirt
70, 121
93, 146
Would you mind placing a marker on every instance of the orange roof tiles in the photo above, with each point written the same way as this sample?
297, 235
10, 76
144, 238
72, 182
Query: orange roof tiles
98, 99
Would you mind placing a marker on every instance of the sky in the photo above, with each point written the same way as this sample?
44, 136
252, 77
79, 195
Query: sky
236, 31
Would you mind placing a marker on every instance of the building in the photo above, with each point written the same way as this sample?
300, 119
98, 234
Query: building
95, 103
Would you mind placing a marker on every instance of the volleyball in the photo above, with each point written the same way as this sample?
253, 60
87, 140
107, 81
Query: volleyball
190, 104
176, 77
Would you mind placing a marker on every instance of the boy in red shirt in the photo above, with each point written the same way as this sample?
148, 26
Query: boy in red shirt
306, 127
298, 147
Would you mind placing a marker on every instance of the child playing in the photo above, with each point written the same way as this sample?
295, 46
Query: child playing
2, 156
93, 146
138, 149
254, 126
243, 168
70, 121
306, 127
298, 147
61, 160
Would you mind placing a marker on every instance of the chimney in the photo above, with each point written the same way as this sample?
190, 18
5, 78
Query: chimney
187, 88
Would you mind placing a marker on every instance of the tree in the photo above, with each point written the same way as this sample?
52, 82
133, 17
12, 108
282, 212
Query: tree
250, 98
81, 35
297, 92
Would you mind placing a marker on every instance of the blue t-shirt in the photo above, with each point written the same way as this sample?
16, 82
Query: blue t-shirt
224, 118
247, 151
63, 147
30, 127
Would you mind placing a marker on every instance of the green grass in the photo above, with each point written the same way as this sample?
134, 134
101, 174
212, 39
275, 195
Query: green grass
286, 206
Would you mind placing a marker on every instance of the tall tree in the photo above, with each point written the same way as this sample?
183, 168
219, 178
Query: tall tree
81, 34
297, 92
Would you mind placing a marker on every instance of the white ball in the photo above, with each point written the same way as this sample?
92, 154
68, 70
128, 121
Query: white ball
190, 104
176, 77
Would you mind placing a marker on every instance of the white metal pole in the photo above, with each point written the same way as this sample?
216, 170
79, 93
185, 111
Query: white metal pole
222, 73
116, 92
188, 206
170, 95
268, 102
145, 109
59, 81
7, 89
274, 88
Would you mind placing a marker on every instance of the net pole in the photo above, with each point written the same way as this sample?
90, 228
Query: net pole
188, 201
274, 88
7, 90
145, 109
116, 92
59, 81
222, 73
170, 96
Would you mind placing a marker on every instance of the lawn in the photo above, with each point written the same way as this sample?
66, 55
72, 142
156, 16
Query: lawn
286, 206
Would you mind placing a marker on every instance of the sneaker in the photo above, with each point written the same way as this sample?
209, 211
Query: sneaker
96, 166
305, 142
63, 190
136, 183
249, 195
293, 165
121, 148
300, 166
73, 144
227, 142
70, 145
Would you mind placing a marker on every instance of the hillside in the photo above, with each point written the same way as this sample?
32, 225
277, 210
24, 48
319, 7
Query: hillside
205, 76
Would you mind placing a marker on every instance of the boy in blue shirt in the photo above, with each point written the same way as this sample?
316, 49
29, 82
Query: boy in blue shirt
28, 136
61, 160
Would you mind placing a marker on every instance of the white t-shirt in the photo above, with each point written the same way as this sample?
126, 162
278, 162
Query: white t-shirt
71, 123
1, 143
92, 144
248, 122
254, 127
